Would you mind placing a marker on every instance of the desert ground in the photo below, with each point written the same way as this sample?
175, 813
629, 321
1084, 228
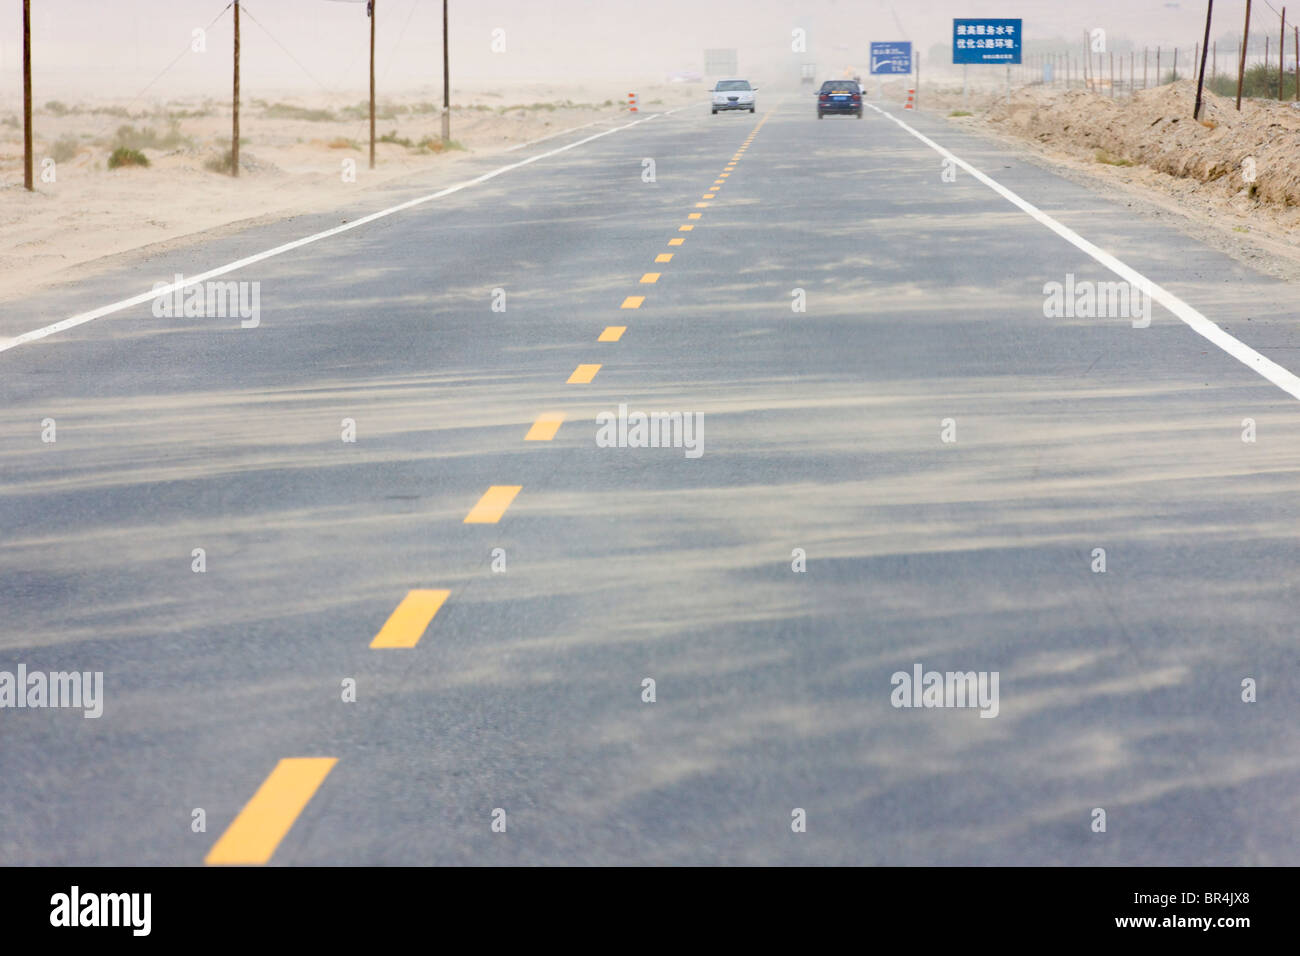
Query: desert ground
295, 151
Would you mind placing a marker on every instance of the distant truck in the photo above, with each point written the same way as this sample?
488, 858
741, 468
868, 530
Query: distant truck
808, 73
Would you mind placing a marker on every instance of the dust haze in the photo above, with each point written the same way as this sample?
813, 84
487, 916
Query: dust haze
85, 48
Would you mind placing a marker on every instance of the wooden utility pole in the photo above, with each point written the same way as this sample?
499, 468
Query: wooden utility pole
234, 129
1241, 66
1200, 82
1281, 56
1297, 62
27, 95
446, 82
370, 11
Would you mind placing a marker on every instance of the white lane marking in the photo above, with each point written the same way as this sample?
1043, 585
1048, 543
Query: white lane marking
1243, 353
171, 287
574, 129
534, 142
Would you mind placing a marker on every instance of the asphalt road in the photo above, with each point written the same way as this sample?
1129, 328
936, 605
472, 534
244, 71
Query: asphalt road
823, 431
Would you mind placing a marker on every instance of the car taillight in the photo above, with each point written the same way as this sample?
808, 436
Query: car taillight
825, 96
857, 96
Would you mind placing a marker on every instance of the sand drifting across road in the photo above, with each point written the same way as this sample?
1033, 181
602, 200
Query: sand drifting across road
1234, 174
298, 154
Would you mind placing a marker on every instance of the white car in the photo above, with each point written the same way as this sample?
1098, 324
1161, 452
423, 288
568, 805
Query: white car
733, 95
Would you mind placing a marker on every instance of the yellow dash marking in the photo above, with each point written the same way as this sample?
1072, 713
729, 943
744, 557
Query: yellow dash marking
497, 499
676, 242
265, 820
694, 215
583, 374
719, 182
664, 257
701, 205
407, 624
632, 302
544, 429
650, 278
612, 333
685, 228
709, 196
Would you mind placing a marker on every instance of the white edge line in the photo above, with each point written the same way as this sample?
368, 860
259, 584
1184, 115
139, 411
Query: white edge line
1243, 353
163, 290
534, 142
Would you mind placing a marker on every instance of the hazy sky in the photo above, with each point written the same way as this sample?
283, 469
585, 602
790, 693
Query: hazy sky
117, 46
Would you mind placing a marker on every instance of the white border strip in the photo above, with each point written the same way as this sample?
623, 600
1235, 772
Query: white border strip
168, 289
1199, 324
574, 129
542, 139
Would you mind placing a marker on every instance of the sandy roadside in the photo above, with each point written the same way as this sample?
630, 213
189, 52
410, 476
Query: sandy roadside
297, 155
1150, 154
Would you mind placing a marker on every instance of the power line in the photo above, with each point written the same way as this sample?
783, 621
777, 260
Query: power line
248, 13
168, 67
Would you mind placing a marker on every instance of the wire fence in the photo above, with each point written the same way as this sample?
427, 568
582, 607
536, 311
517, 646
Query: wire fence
1121, 74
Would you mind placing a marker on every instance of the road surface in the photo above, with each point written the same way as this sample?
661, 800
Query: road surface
824, 435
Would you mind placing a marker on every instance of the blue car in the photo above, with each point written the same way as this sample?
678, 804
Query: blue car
839, 96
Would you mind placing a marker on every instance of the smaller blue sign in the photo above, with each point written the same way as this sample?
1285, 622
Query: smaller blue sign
891, 58
986, 41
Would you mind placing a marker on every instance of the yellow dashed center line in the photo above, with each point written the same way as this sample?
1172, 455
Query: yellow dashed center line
612, 333
685, 228
544, 429
497, 499
583, 374
676, 242
701, 205
265, 820
664, 257
694, 215
407, 624
650, 278
632, 302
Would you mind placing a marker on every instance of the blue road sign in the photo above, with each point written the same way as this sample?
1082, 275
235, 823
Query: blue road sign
890, 58
986, 41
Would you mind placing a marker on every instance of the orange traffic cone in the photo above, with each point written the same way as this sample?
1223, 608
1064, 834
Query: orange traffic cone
631, 102
908, 105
